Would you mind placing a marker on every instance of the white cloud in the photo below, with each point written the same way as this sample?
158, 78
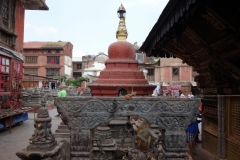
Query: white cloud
150, 2
128, 4
41, 30
133, 3
78, 54
45, 30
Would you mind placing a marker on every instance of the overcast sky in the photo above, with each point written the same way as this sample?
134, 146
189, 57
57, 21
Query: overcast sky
91, 25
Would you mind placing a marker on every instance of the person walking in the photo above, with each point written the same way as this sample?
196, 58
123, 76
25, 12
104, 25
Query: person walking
192, 133
61, 93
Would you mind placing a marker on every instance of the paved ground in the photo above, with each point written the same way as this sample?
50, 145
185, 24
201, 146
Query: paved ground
18, 139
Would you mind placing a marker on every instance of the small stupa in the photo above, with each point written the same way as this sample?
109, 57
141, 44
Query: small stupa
121, 75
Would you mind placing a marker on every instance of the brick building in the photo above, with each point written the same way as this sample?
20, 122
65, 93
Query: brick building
167, 71
47, 59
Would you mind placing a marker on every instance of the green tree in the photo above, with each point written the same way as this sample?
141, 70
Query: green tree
76, 82
62, 77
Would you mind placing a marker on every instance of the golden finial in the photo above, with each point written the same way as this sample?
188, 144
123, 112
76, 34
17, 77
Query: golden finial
121, 33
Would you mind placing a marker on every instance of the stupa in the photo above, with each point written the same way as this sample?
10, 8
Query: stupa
121, 75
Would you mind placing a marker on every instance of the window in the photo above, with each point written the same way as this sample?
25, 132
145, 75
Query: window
79, 66
139, 57
52, 72
49, 51
31, 71
53, 59
57, 51
175, 71
175, 74
4, 67
150, 72
31, 59
5, 12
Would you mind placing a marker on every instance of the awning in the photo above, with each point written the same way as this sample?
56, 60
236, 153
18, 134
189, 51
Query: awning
193, 83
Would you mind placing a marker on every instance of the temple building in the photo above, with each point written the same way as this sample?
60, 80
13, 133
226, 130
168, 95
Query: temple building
205, 35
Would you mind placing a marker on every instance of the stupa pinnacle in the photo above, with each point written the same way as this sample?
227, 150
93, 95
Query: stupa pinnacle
121, 33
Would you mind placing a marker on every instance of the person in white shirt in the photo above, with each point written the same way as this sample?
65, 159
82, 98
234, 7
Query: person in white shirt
190, 95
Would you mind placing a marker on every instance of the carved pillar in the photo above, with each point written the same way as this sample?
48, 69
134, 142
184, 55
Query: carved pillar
174, 144
221, 127
104, 145
81, 145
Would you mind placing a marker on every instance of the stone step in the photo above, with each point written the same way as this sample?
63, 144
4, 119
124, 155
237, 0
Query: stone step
61, 135
62, 131
63, 127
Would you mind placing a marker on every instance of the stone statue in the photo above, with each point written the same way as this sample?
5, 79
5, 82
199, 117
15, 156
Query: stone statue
34, 134
40, 134
49, 135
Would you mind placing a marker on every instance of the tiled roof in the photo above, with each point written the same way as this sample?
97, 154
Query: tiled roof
40, 45
54, 44
35, 5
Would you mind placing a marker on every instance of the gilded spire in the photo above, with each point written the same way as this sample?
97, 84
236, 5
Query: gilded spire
121, 33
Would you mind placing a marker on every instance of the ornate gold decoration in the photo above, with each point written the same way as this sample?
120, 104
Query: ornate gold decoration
121, 33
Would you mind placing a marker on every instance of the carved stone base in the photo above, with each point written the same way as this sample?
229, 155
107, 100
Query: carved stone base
174, 144
81, 145
56, 153
62, 134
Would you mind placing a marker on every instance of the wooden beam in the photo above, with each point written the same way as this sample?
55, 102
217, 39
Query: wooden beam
219, 20
203, 44
183, 49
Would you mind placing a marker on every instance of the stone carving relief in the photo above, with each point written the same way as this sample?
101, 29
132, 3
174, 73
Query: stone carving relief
81, 114
89, 113
81, 141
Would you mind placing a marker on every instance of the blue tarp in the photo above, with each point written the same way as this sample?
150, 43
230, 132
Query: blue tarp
20, 117
1, 126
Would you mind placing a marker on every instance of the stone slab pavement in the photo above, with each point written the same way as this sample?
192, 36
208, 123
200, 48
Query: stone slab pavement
20, 134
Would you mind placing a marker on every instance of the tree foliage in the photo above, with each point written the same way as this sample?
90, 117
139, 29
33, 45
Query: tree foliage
62, 77
76, 82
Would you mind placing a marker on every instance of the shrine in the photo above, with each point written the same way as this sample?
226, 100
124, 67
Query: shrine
89, 118
121, 75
